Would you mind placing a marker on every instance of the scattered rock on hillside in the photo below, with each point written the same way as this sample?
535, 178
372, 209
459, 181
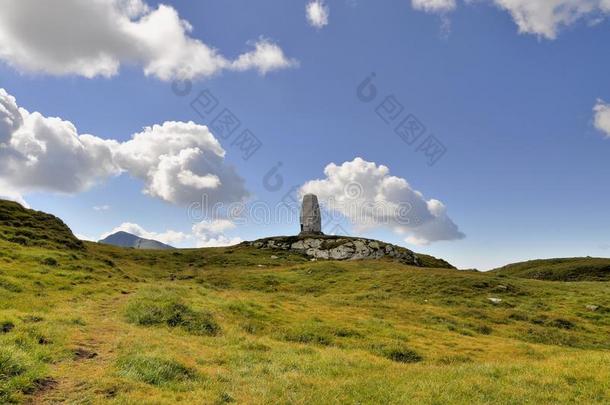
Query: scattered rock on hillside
592, 307
341, 248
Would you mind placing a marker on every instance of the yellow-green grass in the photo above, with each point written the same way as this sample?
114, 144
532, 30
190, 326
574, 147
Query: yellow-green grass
565, 269
104, 324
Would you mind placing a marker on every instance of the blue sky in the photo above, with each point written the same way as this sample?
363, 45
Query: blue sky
509, 94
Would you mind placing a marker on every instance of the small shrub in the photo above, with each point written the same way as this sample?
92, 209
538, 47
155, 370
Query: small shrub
309, 333
562, 324
401, 354
154, 370
518, 316
32, 318
6, 326
247, 309
346, 333
78, 321
11, 363
49, 261
7, 285
160, 309
455, 359
484, 329
225, 398
20, 240
550, 336
109, 263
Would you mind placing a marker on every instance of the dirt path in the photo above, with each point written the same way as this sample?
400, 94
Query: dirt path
94, 347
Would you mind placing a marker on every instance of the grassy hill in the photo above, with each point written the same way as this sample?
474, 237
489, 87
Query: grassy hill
568, 269
34, 228
102, 324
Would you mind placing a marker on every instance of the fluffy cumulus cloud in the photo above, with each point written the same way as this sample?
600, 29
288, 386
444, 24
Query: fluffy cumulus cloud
95, 37
317, 13
602, 117
48, 154
433, 6
212, 233
369, 196
178, 162
544, 18
168, 237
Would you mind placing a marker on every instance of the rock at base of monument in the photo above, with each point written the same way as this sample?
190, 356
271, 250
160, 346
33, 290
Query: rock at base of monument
311, 233
346, 248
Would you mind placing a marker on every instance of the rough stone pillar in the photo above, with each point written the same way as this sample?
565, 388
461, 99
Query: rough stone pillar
311, 220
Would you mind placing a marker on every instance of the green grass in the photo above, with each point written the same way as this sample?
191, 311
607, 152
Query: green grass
569, 269
100, 324
34, 228
156, 307
154, 370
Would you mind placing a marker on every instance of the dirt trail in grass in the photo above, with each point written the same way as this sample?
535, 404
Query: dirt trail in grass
93, 347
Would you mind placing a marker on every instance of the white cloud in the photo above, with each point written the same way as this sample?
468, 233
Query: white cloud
218, 241
177, 161
95, 37
265, 57
369, 196
544, 18
48, 154
7, 193
101, 207
602, 117
85, 237
168, 237
10, 117
433, 6
214, 227
317, 13
211, 233
203, 234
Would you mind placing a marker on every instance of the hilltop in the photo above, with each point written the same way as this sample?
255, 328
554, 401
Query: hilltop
128, 240
566, 269
330, 247
241, 324
27, 227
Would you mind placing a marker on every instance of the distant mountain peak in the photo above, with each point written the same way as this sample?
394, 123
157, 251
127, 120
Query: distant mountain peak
128, 240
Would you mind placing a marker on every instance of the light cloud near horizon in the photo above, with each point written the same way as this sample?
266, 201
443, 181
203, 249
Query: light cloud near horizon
168, 237
95, 38
209, 233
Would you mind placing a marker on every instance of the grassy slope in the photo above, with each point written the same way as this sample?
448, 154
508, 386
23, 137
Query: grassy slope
568, 269
34, 228
104, 324
291, 331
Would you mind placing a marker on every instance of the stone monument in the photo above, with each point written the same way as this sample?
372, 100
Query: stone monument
311, 220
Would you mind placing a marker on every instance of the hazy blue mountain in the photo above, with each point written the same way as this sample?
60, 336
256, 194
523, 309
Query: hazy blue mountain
125, 239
